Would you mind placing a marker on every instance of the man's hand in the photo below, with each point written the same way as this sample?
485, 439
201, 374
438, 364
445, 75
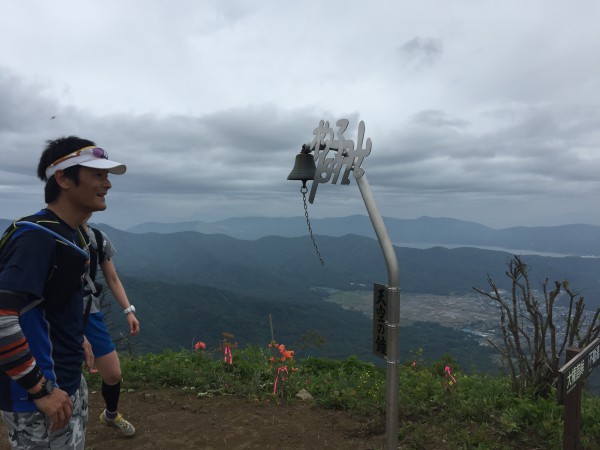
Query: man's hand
58, 407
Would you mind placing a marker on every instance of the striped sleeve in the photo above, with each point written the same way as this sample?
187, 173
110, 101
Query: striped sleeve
15, 358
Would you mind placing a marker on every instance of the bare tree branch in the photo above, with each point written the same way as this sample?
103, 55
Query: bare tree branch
532, 345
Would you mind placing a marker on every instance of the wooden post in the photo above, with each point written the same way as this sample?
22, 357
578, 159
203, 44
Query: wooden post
580, 362
572, 412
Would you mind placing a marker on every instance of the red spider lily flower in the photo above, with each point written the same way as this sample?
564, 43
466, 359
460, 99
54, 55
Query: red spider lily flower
199, 346
448, 373
227, 356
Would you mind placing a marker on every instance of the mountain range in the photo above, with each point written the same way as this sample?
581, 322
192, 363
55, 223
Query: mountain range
575, 239
288, 266
191, 283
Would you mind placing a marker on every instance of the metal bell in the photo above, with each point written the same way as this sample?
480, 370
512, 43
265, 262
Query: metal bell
304, 167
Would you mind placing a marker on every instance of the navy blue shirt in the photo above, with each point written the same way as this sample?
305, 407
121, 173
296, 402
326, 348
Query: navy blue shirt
35, 263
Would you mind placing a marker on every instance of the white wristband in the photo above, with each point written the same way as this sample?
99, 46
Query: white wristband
128, 310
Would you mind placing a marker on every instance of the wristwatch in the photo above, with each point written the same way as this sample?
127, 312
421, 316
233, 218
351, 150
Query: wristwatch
128, 310
47, 388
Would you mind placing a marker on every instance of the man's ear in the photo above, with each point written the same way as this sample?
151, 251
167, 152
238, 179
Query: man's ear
62, 180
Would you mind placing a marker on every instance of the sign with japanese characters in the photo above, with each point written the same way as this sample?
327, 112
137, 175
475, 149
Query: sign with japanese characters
380, 318
334, 152
578, 368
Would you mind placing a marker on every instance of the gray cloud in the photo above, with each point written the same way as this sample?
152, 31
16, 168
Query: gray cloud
421, 51
436, 119
208, 107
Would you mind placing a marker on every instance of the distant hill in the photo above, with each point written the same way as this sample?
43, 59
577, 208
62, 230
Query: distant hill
190, 285
174, 316
576, 239
288, 269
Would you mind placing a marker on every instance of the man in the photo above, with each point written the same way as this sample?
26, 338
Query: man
43, 257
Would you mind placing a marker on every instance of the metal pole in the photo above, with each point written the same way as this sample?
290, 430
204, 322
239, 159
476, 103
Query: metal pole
393, 352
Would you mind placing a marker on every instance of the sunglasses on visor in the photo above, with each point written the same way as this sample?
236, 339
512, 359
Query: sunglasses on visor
96, 151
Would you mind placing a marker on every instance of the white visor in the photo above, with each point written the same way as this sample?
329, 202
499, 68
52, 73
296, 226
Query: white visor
87, 157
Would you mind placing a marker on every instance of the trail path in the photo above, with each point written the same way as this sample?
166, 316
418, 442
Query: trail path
171, 419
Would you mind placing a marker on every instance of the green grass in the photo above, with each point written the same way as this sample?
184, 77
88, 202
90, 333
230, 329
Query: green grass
477, 412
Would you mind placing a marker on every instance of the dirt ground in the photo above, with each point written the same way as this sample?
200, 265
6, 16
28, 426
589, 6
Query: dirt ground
173, 419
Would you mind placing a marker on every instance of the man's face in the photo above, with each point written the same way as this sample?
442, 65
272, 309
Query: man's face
93, 187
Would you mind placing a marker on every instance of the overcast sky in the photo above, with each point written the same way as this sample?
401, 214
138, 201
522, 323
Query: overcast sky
479, 110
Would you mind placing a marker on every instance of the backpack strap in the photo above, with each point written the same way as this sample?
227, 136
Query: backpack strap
97, 256
100, 244
65, 276
27, 224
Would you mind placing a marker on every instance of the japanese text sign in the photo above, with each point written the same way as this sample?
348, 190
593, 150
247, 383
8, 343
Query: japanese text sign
578, 368
380, 318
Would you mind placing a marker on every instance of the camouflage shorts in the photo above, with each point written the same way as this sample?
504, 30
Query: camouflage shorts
30, 430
